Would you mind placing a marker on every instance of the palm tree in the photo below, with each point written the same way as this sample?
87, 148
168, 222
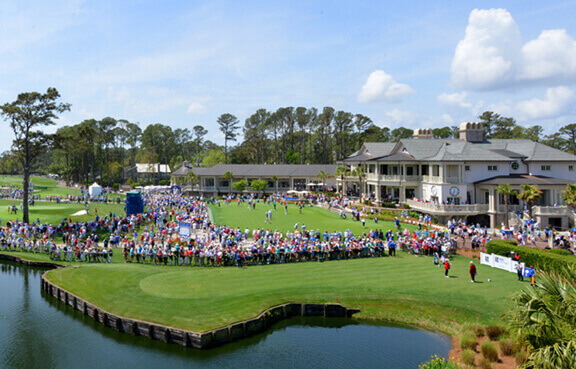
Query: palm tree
229, 176
191, 177
569, 195
275, 179
543, 319
360, 173
341, 172
530, 193
323, 175
506, 191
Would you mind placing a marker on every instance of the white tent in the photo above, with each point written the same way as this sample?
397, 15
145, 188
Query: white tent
95, 190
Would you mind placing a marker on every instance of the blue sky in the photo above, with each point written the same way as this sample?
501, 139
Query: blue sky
418, 64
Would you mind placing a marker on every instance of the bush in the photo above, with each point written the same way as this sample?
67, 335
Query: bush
485, 364
388, 205
540, 259
438, 363
489, 351
468, 356
116, 186
405, 206
560, 252
474, 328
507, 347
494, 332
468, 342
521, 357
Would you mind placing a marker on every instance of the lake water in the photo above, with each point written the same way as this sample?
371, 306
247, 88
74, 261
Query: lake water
36, 331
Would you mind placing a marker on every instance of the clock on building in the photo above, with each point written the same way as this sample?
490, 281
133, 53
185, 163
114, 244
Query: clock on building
454, 191
434, 190
515, 165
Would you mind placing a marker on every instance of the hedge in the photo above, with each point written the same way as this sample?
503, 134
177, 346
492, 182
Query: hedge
538, 258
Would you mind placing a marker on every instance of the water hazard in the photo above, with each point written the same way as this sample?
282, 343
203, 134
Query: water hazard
36, 331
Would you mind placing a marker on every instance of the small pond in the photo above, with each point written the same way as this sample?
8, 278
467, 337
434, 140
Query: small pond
36, 331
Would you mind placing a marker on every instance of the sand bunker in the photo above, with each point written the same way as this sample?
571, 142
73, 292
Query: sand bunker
81, 212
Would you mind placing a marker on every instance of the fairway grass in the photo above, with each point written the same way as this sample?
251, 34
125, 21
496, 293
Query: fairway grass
315, 218
405, 289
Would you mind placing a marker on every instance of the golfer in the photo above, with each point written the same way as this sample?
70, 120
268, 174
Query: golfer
472, 271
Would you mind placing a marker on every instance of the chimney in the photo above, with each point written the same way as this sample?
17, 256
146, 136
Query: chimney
422, 134
472, 132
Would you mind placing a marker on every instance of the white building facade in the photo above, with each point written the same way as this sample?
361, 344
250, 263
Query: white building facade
453, 178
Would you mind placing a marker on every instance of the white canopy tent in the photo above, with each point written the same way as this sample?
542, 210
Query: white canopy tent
95, 190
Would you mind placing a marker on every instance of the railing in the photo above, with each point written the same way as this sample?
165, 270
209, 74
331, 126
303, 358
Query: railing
552, 210
448, 209
453, 179
432, 179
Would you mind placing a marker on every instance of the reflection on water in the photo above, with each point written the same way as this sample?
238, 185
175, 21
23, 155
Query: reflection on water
37, 331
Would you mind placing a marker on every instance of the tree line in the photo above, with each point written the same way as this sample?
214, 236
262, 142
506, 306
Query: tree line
101, 149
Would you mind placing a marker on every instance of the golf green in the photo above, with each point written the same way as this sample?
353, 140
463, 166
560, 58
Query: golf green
405, 289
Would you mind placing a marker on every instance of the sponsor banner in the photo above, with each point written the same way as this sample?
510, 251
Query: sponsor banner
501, 262
528, 272
486, 259
184, 229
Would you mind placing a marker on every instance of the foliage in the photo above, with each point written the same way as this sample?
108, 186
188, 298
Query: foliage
468, 341
507, 347
438, 363
538, 258
494, 331
388, 205
228, 126
485, 363
521, 357
506, 190
258, 185
240, 186
569, 195
543, 318
529, 194
489, 351
30, 111
474, 328
468, 356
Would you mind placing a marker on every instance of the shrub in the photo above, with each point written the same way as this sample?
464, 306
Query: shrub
468, 356
468, 342
521, 357
438, 363
485, 364
507, 347
494, 332
474, 328
405, 206
388, 205
489, 351
560, 252
540, 259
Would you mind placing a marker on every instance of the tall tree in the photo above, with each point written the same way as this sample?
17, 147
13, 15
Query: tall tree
400, 133
341, 172
343, 126
488, 118
31, 110
228, 126
570, 132
362, 123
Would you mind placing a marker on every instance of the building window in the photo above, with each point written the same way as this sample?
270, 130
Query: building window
467, 168
453, 200
545, 168
492, 168
570, 167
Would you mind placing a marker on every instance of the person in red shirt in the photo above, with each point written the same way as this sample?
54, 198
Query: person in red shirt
446, 268
472, 271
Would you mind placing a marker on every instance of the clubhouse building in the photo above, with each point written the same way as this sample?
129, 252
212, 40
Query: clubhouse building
280, 177
457, 178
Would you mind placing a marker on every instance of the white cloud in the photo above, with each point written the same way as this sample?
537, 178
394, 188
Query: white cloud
454, 100
558, 101
196, 108
492, 55
380, 86
404, 117
551, 56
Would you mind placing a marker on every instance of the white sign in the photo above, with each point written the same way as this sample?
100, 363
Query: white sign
486, 259
499, 262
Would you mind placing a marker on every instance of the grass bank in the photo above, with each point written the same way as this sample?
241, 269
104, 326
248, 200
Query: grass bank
405, 289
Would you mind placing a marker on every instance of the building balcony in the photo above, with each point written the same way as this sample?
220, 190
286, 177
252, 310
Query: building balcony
552, 211
438, 209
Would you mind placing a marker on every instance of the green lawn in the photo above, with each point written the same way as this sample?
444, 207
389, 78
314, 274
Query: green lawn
51, 212
313, 217
405, 289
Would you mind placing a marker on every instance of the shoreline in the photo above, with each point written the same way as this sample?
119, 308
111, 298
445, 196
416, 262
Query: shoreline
183, 337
